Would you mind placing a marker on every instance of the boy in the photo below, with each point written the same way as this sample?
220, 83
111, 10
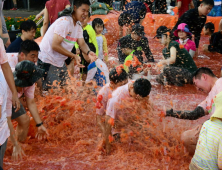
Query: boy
4, 130
205, 80
58, 42
195, 19
139, 42
118, 77
138, 90
215, 39
208, 154
28, 29
98, 72
126, 47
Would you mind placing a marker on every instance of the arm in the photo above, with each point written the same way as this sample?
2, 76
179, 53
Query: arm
39, 15
42, 132
100, 123
146, 50
17, 150
220, 26
179, 4
45, 22
105, 49
192, 5
191, 115
108, 128
10, 81
172, 59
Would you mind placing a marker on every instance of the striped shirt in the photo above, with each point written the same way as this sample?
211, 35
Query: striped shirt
209, 147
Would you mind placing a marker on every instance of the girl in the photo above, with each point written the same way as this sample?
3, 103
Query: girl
178, 64
98, 26
183, 32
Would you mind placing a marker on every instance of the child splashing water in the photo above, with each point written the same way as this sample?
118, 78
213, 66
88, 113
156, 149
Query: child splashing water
183, 33
98, 26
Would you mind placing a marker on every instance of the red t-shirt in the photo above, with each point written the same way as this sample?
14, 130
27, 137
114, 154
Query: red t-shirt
184, 6
54, 7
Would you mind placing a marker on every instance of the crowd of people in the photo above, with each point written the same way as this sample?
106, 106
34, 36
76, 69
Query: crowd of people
72, 44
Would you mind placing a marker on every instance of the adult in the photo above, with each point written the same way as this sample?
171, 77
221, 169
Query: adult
52, 8
178, 63
205, 80
139, 43
28, 29
133, 13
58, 42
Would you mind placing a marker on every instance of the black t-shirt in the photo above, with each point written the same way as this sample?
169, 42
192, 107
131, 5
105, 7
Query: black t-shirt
216, 42
194, 22
14, 47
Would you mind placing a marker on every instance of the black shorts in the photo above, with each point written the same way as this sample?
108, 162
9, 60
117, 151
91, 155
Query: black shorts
20, 112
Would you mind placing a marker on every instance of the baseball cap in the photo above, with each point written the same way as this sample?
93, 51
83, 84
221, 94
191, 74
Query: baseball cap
138, 29
126, 42
161, 30
27, 73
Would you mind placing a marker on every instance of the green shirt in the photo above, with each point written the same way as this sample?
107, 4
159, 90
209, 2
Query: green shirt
183, 58
129, 57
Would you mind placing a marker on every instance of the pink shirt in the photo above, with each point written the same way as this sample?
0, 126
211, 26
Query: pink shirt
207, 103
65, 28
3, 57
12, 59
27, 91
190, 45
106, 92
4, 129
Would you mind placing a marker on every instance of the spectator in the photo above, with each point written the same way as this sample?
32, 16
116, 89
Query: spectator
177, 65
195, 19
183, 6
215, 39
139, 43
28, 29
208, 153
160, 7
205, 80
216, 11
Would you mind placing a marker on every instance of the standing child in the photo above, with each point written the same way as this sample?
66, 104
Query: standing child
98, 26
4, 129
183, 33
118, 77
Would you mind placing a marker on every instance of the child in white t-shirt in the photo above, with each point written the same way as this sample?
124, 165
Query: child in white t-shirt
98, 26
118, 77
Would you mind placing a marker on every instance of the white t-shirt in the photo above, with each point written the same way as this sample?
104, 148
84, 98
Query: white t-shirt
4, 129
106, 92
65, 28
3, 56
12, 59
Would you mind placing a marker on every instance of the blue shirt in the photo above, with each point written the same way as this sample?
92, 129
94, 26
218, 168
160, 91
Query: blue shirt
14, 47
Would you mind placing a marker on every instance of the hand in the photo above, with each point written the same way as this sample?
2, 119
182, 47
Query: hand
37, 17
15, 101
42, 133
205, 47
17, 152
78, 60
92, 56
77, 51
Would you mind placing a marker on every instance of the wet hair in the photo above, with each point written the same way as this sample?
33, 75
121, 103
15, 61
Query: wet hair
116, 78
203, 70
206, 2
97, 21
142, 87
28, 25
89, 14
79, 3
210, 26
27, 46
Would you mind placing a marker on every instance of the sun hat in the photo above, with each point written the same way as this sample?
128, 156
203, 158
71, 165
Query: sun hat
182, 27
27, 73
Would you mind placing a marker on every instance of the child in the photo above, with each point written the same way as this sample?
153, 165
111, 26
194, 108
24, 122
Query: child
98, 26
126, 46
4, 129
183, 33
208, 153
179, 64
98, 72
215, 39
195, 19
138, 90
118, 77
